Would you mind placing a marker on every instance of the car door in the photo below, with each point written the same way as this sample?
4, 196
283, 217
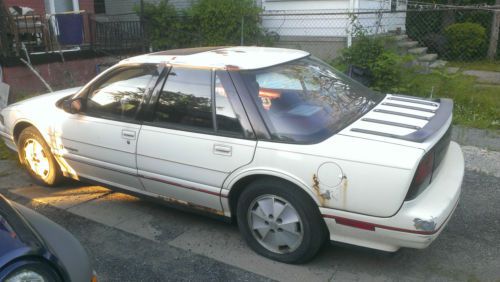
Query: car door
196, 136
100, 141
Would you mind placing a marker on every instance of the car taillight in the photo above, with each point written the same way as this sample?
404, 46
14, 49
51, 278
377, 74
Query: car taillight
422, 176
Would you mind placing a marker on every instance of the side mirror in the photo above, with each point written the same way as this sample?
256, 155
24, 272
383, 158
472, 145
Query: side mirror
72, 106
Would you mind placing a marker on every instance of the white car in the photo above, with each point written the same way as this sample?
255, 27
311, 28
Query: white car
293, 150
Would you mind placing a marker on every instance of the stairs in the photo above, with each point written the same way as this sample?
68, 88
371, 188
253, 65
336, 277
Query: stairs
406, 45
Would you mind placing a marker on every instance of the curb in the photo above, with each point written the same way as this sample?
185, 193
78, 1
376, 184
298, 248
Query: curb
482, 138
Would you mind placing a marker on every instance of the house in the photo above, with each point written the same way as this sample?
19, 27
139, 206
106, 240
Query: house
120, 7
42, 7
37, 39
323, 27
38, 29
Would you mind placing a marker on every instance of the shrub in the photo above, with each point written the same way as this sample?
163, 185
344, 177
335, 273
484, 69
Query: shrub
207, 22
436, 43
466, 41
363, 52
165, 27
374, 57
220, 21
386, 71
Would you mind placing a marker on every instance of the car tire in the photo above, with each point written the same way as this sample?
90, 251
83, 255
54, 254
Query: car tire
292, 233
37, 158
35, 270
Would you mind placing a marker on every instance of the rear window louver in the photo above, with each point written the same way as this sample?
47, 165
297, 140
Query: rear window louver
434, 124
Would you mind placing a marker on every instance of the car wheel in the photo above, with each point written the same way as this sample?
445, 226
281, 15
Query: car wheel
279, 221
33, 271
36, 156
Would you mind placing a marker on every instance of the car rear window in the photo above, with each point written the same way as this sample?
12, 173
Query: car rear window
306, 100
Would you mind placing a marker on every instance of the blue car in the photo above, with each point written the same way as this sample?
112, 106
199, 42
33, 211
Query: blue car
33, 248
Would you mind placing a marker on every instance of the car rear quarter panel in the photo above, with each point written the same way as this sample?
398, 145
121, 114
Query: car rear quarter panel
372, 177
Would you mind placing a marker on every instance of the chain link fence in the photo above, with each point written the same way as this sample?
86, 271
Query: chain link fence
429, 32
454, 34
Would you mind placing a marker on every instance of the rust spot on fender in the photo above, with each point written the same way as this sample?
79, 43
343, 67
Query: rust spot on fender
321, 196
344, 183
316, 190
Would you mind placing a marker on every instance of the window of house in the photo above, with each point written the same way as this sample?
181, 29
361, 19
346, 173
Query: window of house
99, 7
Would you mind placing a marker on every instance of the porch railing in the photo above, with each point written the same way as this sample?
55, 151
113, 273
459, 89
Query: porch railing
117, 35
41, 33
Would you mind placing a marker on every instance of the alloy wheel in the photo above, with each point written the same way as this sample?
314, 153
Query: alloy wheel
275, 224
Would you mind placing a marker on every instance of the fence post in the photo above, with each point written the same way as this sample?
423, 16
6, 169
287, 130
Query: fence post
143, 30
91, 31
242, 26
495, 29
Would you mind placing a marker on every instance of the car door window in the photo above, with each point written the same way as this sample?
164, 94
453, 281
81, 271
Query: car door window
186, 100
119, 96
226, 119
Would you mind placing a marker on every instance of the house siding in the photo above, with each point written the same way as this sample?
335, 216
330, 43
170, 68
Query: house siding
323, 27
304, 6
330, 18
40, 5
87, 5
116, 7
62, 6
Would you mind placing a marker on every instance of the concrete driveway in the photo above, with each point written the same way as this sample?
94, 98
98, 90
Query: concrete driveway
133, 239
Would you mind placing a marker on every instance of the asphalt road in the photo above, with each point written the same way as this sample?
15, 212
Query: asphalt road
133, 239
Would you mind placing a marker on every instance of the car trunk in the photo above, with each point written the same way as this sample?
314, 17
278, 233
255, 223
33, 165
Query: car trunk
410, 121
405, 120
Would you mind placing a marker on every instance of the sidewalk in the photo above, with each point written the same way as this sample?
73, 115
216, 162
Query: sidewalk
481, 138
486, 77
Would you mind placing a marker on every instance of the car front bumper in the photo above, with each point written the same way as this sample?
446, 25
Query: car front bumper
417, 223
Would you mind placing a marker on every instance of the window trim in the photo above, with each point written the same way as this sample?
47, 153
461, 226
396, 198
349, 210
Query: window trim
137, 119
234, 98
212, 95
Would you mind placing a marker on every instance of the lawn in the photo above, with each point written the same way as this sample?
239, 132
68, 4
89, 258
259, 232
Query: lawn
474, 105
5, 153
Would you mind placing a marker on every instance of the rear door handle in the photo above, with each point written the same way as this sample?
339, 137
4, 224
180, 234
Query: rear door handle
223, 150
128, 134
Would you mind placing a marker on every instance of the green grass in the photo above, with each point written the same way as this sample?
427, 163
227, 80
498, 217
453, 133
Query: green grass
5, 153
477, 65
474, 106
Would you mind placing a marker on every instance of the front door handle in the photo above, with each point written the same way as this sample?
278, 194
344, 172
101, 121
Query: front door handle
128, 134
223, 150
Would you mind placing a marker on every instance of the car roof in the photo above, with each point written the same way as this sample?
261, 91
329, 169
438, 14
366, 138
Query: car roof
240, 57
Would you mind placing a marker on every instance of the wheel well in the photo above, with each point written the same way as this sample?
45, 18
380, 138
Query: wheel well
240, 185
17, 263
237, 189
18, 128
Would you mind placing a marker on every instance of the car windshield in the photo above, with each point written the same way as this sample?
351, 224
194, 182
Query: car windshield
307, 100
